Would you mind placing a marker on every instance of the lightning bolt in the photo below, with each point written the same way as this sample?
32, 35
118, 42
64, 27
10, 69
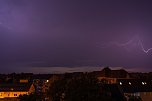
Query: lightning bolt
134, 41
142, 47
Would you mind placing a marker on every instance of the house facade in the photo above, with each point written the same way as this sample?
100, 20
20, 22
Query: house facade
14, 90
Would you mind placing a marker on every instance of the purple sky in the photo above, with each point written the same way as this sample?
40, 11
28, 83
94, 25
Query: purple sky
75, 33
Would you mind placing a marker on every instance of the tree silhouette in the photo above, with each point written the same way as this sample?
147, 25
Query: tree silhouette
82, 88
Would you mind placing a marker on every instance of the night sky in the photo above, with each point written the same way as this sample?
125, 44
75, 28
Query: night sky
44, 34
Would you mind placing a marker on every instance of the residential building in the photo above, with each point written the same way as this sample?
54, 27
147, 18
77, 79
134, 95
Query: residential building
14, 90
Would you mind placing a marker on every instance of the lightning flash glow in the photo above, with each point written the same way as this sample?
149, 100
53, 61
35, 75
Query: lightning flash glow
136, 41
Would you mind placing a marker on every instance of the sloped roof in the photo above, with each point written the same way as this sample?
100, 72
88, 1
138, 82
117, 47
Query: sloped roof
15, 87
107, 72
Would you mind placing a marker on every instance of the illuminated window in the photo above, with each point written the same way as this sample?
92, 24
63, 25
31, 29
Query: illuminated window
12, 89
120, 83
15, 94
144, 83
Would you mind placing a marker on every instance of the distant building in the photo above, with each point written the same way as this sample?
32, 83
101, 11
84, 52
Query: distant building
14, 90
132, 84
137, 88
120, 73
109, 76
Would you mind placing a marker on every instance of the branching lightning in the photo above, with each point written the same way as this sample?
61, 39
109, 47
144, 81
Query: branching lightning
134, 41
142, 47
